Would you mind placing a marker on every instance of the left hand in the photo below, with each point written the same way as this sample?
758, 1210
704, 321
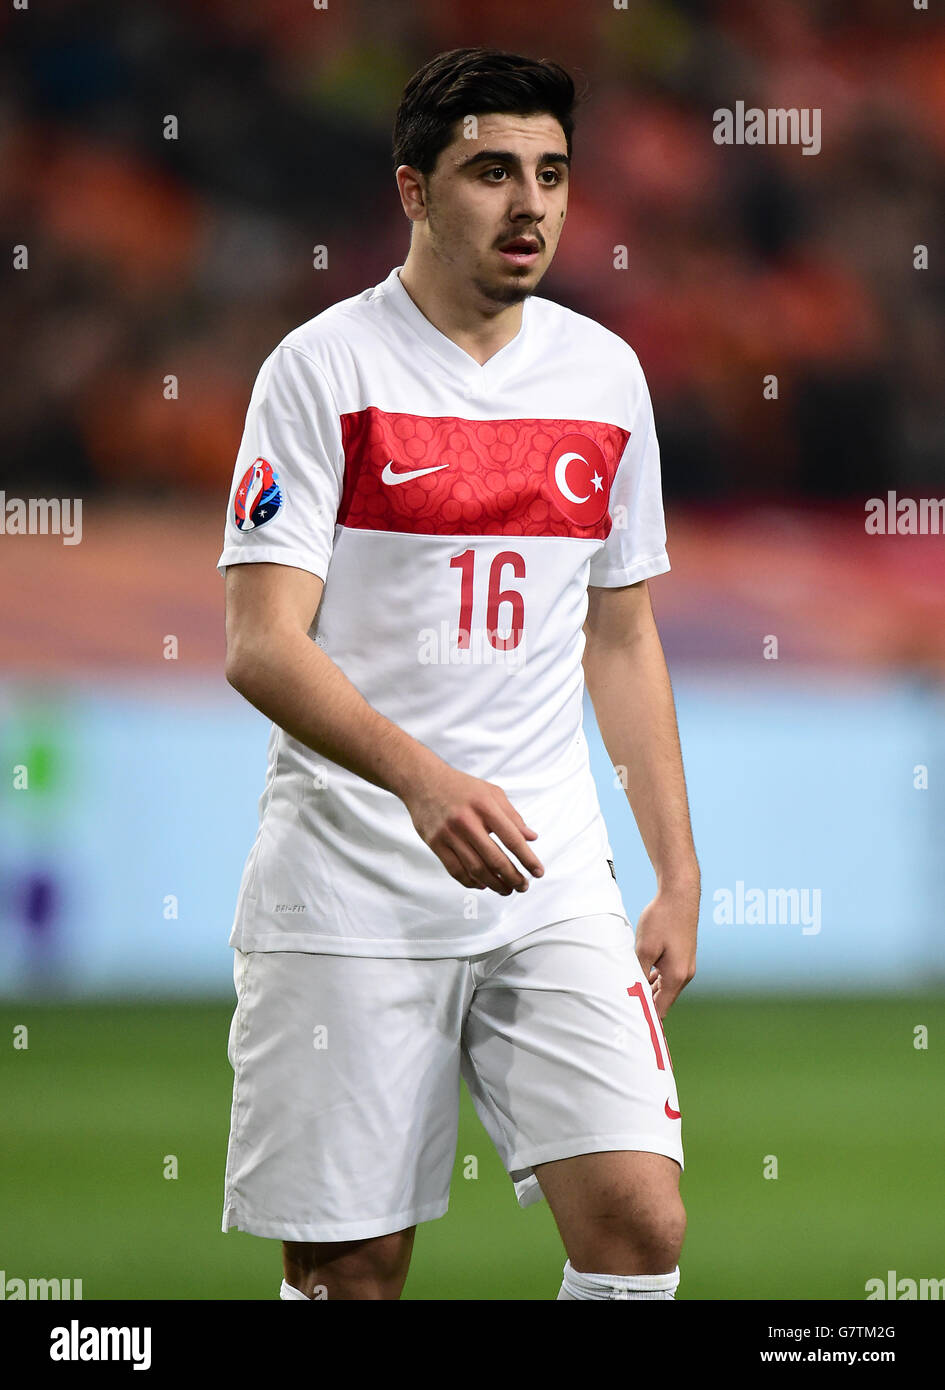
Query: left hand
665, 941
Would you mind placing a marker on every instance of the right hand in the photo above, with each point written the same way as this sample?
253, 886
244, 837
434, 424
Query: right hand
454, 814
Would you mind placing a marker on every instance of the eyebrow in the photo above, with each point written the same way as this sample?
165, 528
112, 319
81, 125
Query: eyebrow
508, 157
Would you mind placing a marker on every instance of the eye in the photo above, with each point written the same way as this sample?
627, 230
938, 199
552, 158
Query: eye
555, 176
496, 169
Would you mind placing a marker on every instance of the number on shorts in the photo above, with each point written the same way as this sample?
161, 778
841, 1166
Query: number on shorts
637, 992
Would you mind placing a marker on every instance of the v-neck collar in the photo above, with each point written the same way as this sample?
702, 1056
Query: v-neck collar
455, 357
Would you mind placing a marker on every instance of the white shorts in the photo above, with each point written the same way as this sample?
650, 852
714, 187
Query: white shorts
347, 1075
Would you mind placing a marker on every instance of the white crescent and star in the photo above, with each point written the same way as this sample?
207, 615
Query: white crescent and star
561, 481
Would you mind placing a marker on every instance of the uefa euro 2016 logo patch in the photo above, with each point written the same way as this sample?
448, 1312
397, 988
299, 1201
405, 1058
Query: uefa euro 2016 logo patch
258, 497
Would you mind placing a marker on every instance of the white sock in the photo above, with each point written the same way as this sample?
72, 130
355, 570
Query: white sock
579, 1286
288, 1293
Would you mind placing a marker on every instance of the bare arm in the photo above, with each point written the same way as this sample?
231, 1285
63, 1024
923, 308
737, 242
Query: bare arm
296, 685
628, 683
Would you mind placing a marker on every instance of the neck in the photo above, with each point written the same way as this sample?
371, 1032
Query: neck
461, 312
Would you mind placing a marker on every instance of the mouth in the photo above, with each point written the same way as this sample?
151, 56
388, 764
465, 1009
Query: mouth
521, 250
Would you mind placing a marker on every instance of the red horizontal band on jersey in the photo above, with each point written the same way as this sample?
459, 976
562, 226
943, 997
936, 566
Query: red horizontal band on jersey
441, 475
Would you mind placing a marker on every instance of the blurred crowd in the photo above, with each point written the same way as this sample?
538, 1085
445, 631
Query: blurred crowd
162, 271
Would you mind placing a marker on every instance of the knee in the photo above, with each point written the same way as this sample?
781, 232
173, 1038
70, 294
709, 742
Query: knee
379, 1263
636, 1238
383, 1259
658, 1234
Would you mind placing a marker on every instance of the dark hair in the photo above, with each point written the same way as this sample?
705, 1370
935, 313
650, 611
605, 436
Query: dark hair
475, 82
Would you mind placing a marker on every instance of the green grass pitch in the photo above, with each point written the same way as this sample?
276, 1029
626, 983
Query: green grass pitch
833, 1089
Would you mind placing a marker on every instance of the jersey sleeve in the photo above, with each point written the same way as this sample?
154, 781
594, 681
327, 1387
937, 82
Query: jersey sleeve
636, 546
289, 469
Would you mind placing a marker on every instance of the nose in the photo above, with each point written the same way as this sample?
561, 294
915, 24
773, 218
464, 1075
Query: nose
528, 201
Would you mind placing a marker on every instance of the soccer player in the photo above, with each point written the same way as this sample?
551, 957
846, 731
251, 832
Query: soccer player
445, 510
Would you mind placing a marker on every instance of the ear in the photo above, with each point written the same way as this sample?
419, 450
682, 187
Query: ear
411, 185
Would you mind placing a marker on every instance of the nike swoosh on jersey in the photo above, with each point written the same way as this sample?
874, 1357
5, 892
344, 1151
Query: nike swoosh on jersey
389, 476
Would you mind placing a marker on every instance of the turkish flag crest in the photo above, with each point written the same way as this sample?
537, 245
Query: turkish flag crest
578, 479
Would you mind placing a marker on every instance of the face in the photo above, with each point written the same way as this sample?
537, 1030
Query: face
495, 204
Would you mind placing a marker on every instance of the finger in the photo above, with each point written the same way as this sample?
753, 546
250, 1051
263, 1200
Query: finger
481, 868
664, 1002
456, 868
518, 823
494, 868
514, 839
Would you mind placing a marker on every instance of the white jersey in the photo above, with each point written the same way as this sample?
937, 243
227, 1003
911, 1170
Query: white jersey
457, 513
